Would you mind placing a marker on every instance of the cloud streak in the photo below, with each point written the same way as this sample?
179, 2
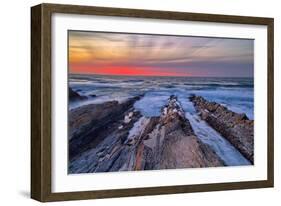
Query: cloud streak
139, 54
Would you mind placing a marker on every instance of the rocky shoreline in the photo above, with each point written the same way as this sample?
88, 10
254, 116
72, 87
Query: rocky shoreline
115, 137
238, 129
89, 125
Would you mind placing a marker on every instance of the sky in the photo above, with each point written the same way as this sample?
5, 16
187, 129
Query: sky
159, 55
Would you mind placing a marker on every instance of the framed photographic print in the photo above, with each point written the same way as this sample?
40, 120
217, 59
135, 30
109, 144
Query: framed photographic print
132, 102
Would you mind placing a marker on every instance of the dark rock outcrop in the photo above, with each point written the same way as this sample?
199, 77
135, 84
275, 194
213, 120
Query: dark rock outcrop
115, 137
236, 128
74, 96
91, 124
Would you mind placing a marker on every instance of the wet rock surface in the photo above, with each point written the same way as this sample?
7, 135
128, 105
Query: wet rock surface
91, 124
115, 137
172, 143
236, 128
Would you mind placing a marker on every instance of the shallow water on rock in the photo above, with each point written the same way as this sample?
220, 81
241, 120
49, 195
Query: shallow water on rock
228, 153
150, 105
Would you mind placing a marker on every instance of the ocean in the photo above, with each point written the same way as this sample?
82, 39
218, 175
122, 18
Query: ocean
237, 94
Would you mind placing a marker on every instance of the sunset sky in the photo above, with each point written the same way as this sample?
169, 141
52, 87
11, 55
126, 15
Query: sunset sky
159, 55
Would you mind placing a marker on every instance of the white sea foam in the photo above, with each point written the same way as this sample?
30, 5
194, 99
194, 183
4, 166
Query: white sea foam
150, 105
98, 100
137, 129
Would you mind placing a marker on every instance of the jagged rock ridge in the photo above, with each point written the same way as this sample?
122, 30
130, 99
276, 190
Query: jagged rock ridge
236, 128
114, 137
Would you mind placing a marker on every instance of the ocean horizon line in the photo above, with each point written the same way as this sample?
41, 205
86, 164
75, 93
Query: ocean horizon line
171, 76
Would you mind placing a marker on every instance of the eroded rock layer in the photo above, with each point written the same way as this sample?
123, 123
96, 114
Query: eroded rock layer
236, 128
115, 137
173, 144
89, 125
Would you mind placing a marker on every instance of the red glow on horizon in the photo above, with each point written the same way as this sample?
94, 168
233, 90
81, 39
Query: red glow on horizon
122, 71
